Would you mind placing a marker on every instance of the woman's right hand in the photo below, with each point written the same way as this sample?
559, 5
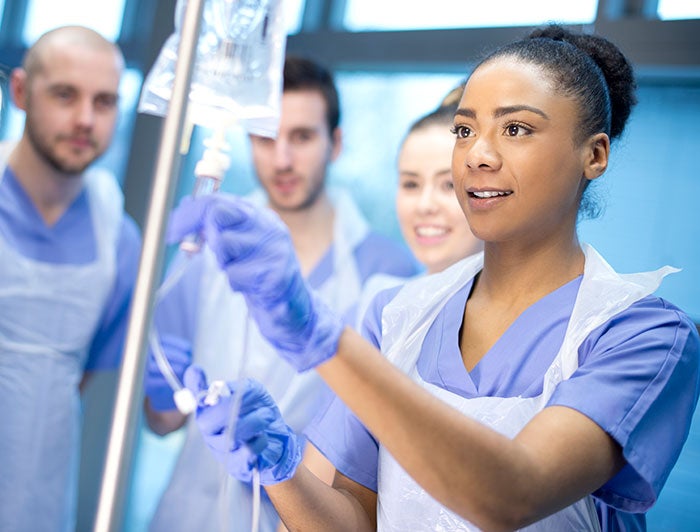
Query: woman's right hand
254, 249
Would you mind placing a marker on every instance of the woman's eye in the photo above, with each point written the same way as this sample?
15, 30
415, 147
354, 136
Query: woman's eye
516, 130
461, 132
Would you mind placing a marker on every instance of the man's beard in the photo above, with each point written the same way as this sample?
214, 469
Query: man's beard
46, 152
306, 203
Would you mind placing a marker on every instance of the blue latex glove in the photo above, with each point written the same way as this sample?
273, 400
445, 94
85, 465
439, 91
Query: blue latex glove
262, 439
156, 388
253, 248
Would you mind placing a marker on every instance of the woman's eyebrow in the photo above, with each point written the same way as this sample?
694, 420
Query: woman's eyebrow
466, 112
502, 111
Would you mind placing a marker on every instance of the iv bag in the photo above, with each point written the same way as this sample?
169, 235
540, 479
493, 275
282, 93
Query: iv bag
237, 74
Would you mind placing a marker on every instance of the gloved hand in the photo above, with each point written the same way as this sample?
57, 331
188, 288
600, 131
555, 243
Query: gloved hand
261, 438
253, 248
156, 388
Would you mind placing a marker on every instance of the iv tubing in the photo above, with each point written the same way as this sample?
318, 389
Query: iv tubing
212, 167
162, 361
110, 507
229, 436
256, 501
167, 371
216, 142
209, 173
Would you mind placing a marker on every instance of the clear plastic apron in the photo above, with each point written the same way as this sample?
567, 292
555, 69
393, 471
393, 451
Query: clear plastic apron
403, 504
48, 316
375, 284
201, 495
342, 289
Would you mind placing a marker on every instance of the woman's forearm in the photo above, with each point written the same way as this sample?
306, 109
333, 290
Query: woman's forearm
492, 480
305, 503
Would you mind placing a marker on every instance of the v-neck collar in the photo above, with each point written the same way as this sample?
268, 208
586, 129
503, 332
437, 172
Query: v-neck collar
506, 368
26, 213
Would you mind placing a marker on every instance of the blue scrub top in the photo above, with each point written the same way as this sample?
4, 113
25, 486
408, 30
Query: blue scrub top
71, 240
638, 379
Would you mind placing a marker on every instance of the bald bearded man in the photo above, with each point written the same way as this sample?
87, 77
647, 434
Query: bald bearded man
69, 260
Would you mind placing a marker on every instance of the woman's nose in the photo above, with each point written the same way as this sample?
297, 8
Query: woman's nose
482, 152
426, 199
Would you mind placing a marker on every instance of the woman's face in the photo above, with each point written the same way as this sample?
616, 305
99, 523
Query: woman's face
431, 220
518, 173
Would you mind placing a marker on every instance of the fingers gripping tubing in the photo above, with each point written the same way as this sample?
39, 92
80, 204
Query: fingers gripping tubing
204, 214
261, 440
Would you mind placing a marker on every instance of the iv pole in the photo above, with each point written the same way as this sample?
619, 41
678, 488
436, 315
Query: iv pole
117, 467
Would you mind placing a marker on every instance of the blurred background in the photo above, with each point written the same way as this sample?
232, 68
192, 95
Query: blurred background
393, 63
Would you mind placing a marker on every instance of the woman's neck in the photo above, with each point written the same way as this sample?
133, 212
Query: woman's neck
522, 275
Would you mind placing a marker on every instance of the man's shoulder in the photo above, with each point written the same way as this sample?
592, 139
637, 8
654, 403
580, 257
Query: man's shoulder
378, 253
374, 238
130, 232
129, 245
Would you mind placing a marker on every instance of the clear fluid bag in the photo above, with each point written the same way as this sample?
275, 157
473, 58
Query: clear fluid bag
237, 75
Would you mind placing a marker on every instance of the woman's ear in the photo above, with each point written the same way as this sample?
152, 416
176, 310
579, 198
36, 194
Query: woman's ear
596, 153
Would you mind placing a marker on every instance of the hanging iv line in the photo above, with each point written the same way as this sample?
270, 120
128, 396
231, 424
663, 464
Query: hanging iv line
236, 80
187, 403
209, 173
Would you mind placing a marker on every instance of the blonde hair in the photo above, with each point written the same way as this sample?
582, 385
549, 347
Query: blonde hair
454, 96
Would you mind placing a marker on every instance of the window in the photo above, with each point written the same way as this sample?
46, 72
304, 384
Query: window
293, 10
363, 15
105, 17
678, 9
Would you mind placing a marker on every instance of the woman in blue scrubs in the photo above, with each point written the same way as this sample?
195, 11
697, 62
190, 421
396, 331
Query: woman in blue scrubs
527, 386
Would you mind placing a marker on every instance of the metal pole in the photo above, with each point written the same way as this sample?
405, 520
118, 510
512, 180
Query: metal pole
117, 469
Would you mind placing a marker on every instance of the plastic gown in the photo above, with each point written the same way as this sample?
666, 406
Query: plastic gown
402, 503
48, 316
